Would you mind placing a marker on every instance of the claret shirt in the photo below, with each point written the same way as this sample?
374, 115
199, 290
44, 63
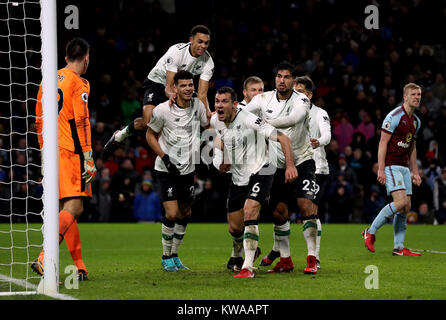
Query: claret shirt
404, 131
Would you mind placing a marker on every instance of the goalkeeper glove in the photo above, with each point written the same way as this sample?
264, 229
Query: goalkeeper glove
170, 166
89, 168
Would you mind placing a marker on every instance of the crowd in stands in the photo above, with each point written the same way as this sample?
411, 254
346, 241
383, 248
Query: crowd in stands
358, 74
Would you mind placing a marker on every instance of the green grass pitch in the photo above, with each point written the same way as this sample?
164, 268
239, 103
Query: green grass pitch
123, 261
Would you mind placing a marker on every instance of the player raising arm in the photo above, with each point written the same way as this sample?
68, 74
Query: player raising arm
397, 161
245, 153
178, 126
288, 110
159, 85
76, 165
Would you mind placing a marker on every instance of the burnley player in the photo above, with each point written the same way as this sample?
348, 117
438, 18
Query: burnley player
397, 161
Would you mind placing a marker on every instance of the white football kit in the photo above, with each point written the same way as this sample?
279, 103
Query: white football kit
179, 133
177, 58
245, 143
295, 111
320, 129
218, 154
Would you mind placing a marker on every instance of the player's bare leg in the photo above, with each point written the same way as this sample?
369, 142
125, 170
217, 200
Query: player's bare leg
118, 137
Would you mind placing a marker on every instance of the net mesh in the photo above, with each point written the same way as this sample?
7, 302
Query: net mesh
20, 166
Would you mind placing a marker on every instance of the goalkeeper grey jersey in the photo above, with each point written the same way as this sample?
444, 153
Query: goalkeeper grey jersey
179, 133
320, 129
245, 144
178, 58
296, 110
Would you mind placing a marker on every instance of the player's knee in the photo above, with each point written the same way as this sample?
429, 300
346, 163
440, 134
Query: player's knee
406, 207
139, 124
402, 205
172, 214
279, 217
234, 228
306, 207
75, 207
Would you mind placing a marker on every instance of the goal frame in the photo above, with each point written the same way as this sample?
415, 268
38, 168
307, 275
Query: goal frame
50, 155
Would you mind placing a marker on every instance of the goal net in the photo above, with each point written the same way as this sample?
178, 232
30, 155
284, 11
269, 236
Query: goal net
21, 181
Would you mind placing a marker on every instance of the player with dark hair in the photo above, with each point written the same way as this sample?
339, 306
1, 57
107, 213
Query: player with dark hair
178, 127
159, 85
320, 135
76, 164
243, 139
288, 110
397, 169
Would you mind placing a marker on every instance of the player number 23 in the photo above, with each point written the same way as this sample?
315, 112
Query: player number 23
306, 187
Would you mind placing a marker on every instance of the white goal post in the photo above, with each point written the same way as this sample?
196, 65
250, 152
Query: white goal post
51, 145
24, 25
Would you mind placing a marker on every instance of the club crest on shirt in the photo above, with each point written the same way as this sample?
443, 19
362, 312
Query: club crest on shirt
409, 137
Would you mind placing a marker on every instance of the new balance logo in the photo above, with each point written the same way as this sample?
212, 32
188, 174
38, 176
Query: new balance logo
269, 111
177, 119
170, 192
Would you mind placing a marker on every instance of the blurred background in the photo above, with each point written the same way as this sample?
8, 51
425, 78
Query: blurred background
358, 73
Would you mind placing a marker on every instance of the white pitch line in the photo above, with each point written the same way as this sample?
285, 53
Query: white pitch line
26, 284
427, 250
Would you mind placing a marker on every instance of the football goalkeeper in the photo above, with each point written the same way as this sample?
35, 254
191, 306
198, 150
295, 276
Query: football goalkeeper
76, 165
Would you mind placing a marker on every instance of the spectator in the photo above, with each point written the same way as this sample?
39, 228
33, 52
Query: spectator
373, 203
101, 200
439, 194
147, 204
145, 160
425, 214
433, 170
129, 106
366, 127
339, 200
432, 103
439, 88
344, 131
422, 193
348, 173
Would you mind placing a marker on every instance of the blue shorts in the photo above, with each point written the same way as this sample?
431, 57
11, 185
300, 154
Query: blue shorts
398, 178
